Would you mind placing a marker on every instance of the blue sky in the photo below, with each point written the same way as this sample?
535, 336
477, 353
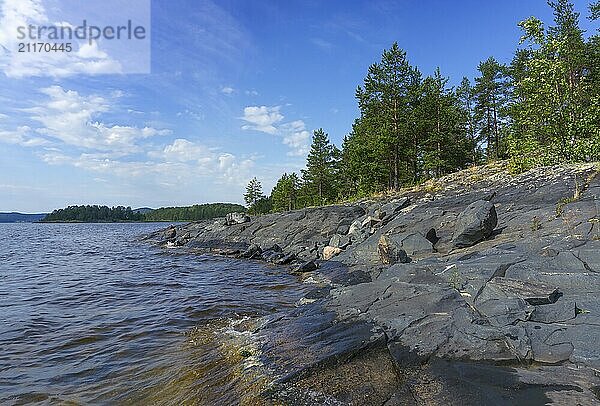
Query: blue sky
235, 89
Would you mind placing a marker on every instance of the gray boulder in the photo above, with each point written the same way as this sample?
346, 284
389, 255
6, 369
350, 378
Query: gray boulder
390, 252
339, 241
236, 218
305, 267
253, 252
414, 244
475, 224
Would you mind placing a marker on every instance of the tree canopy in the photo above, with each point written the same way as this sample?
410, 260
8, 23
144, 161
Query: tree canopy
541, 108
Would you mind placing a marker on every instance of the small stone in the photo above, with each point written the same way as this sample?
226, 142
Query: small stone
330, 252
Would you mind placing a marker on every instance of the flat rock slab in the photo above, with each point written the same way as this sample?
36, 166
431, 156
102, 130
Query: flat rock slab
462, 383
531, 292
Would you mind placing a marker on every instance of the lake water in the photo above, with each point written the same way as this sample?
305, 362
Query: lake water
89, 314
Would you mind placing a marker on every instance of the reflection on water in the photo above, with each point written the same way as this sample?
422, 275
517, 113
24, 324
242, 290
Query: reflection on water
89, 314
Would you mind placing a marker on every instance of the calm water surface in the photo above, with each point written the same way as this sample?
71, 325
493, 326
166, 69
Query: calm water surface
89, 314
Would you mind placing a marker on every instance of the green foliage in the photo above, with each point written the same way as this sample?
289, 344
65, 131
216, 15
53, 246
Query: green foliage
595, 11
285, 193
454, 279
410, 128
556, 105
253, 192
93, 214
490, 110
193, 213
536, 224
320, 176
263, 205
544, 108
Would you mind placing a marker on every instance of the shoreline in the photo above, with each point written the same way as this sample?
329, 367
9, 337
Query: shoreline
512, 304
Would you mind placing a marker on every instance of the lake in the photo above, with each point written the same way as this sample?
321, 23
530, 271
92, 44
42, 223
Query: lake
90, 314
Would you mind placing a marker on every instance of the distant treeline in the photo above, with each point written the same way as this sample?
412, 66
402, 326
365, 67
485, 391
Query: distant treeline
105, 214
193, 213
94, 214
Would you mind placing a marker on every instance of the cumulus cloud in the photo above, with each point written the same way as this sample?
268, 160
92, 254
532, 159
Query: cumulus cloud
72, 118
70, 131
296, 137
262, 118
182, 150
269, 120
182, 161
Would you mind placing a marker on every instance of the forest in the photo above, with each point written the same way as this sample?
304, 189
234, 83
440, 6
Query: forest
542, 108
93, 214
193, 213
105, 214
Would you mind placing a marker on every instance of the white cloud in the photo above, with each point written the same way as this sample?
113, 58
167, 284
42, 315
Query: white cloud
251, 93
73, 133
296, 137
227, 90
84, 59
262, 118
193, 114
268, 120
182, 150
23, 136
179, 163
72, 118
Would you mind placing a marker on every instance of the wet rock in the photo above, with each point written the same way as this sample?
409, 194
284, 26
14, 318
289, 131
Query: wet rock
474, 224
285, 259
253, 252
308, 266
170, 233
236, 218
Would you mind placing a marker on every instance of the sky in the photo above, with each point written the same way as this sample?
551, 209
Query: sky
227, 90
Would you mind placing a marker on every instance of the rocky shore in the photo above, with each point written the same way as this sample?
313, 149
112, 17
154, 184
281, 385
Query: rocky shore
477, 288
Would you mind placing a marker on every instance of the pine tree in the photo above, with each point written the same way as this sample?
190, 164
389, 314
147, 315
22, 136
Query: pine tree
491, 97
465, 94
445, 147
253, 192
383, 105
320, 173
285, 193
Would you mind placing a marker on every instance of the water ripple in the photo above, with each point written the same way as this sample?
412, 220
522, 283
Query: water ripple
88, 314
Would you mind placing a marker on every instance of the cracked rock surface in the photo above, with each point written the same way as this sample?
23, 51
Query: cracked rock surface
496, 302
